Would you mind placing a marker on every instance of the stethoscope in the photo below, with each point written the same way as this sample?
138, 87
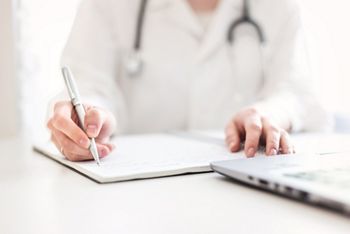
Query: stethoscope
134, 63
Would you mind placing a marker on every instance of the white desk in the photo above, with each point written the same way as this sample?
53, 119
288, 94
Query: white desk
40, 196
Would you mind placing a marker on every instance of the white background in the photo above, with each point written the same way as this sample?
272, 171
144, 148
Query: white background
8, 89
327, 24
43, 27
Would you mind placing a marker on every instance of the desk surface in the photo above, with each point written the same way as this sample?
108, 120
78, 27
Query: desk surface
40, 196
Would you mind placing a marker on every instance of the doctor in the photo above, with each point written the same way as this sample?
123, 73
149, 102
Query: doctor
157, 65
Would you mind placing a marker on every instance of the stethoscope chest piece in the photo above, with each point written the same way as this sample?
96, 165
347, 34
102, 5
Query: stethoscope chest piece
133, 64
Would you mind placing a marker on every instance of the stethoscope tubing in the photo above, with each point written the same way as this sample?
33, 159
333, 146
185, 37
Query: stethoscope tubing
137, 46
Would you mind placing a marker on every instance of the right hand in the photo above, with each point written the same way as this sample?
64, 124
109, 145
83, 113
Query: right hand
71, 140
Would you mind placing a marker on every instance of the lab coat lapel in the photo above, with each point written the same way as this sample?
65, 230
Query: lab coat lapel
216, 35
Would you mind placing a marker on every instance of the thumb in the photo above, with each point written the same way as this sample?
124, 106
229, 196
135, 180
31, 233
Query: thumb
93, 122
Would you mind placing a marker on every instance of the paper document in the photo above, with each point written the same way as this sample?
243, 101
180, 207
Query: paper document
148, 156
158, 155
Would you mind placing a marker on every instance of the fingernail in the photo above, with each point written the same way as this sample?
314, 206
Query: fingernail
91, 129
251, 152
273, 152
103, 153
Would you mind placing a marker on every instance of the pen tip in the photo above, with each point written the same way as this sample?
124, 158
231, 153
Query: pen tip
95, 155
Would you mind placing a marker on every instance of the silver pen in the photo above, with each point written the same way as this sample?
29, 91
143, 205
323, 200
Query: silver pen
79, 108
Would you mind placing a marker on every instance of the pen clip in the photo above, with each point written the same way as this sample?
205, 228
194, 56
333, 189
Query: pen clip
68, 79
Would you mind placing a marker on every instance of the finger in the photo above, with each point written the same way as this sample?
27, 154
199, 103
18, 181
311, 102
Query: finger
233, 140
253, 129
69, 146
110, 146
49, 124
54, 138
286, 143
93, 122
62, 121
103, 150
273, 137
76, 158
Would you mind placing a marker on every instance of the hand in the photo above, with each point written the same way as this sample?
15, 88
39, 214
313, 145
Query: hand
251, 127
74, 142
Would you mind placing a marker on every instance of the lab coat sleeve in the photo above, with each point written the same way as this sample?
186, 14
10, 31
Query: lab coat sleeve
288, 91
93, 55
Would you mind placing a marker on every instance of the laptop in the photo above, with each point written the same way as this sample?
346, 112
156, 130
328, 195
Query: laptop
322, 180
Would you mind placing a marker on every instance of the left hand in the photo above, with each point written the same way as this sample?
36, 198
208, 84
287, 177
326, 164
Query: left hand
253, 128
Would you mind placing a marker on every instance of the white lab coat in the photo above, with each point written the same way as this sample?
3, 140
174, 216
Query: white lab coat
192, 79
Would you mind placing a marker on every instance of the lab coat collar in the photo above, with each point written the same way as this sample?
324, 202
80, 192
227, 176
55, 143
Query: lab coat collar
216, 34
180, 14
159, 4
